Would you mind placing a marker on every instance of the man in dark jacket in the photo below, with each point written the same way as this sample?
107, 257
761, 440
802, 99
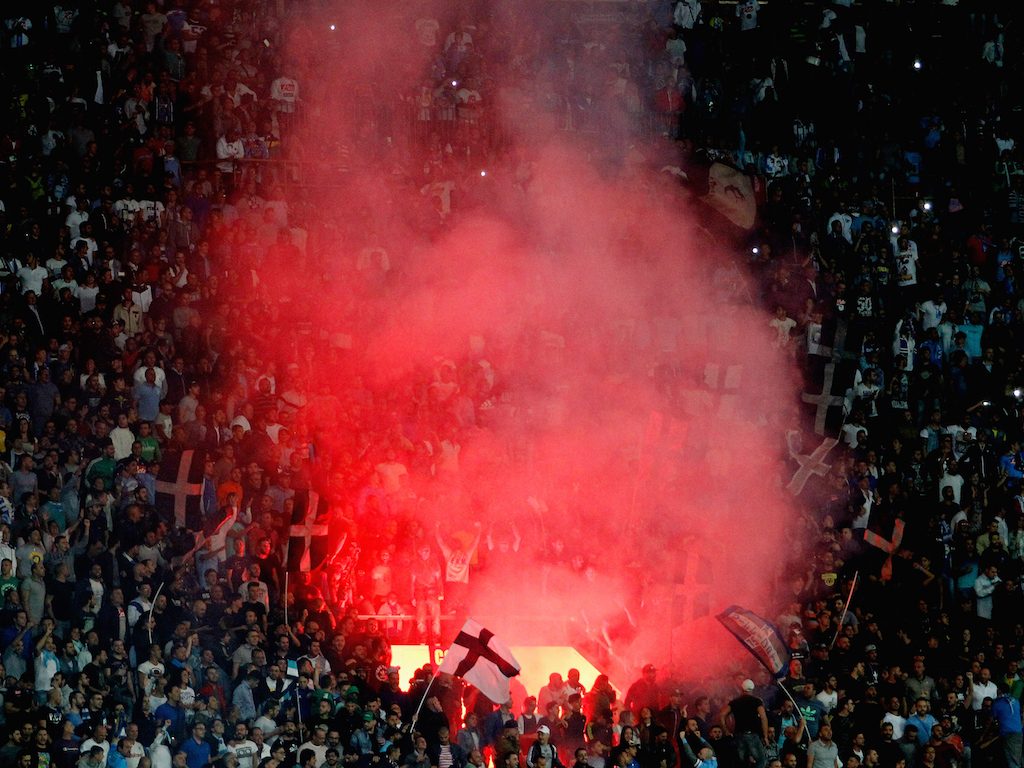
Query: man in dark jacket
446, 753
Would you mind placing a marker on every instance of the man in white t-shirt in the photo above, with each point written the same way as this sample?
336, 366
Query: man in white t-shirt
951, 478
746, 12
135, 749
32, 276
932, 311
152, 209
229, 148
99, 739
128, 207
964, 434
906, 268
243, 747
149, 363
318, 743
426, 32
77, 217
981, 688
390, 472
284, 92
845, 222
783, 326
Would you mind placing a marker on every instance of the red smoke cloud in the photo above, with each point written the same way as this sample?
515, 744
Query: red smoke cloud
618, 393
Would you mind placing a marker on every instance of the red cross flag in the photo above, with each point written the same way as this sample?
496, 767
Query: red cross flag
482, 660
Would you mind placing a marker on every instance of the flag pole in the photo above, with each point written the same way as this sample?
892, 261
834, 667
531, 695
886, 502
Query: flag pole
785, 690
286, 600
842, 618
151, 607
423, 699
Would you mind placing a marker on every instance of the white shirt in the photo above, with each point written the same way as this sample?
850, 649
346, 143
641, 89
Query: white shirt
931, 313
126, 210
686, 13
159, 753
87, 296
151, 210
906, 268
984, 587
980, 692
864, 514
426, 31
54, 267
846, 222
90, 743
850, 433
229, 150
143, 298
266, 725
747, 10
32, 279
122, 438
284, 92
962, 438
956, 482
898, 724
74, 222
321, 751
135, 756
782, 328
140, 375
245, 751
151, 671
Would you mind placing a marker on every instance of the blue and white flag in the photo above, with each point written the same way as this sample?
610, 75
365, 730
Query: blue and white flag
759, 636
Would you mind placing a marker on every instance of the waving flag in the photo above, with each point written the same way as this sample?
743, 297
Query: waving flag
759, 636
889, 543
308, 546
180, 487
481, 659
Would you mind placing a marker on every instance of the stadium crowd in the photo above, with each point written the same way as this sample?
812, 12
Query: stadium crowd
879, 140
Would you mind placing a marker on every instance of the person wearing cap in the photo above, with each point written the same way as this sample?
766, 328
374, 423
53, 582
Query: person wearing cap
507, 742
364, 740
543, 747
644, 692
750, 721
495, 723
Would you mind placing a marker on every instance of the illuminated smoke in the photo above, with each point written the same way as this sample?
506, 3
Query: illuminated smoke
576, 291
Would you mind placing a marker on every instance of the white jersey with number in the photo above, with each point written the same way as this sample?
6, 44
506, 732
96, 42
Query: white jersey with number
284, 92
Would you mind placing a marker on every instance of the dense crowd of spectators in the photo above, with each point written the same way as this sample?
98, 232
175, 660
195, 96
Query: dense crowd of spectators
136, 218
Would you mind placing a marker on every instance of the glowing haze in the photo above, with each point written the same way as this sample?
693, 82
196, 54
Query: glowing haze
618, 394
